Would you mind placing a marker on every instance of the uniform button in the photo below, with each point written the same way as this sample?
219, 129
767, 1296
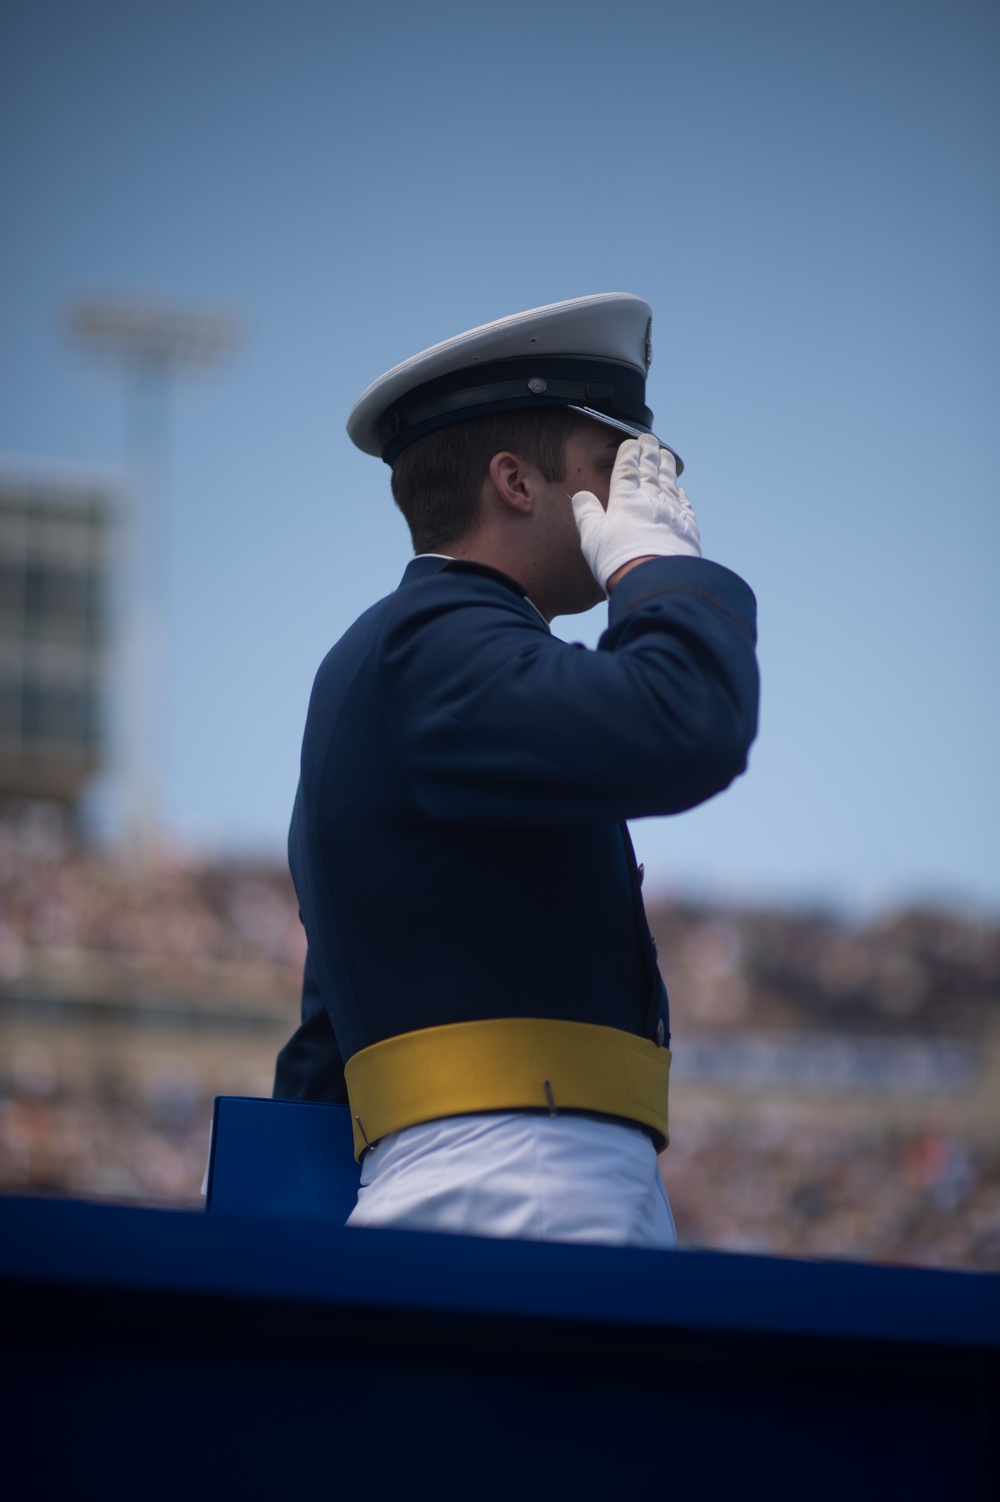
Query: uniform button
642, 872
653, 942
660, 1033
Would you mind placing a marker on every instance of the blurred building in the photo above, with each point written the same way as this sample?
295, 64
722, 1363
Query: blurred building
54, 589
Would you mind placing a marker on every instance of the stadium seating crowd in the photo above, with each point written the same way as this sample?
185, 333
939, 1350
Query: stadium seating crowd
763, 1174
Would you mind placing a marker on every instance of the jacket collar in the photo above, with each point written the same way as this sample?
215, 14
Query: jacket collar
423, 566
426, 564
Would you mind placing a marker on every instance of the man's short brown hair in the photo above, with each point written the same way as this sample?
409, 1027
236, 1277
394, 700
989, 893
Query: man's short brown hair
437, 481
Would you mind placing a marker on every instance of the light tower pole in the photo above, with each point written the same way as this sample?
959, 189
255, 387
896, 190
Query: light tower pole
152, 344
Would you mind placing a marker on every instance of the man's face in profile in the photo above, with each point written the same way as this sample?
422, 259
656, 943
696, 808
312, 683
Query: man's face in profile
590, 457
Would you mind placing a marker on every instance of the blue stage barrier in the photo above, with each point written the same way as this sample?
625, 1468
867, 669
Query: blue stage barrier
182, 1355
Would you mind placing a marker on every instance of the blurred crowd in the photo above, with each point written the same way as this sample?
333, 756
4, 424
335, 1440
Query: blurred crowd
747, 1174
766, 1180
925, 971
62, 897
131, 1147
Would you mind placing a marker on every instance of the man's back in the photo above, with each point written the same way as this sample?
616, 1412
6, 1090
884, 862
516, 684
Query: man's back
441, 878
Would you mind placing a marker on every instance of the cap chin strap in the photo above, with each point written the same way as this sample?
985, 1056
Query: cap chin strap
633, 431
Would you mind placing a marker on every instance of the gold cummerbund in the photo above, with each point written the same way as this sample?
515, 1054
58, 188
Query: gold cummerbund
506, 1064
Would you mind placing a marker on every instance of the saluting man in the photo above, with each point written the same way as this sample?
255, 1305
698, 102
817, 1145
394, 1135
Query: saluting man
481, 984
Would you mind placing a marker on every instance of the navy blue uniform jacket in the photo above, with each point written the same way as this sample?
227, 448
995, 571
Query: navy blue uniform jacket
458, 842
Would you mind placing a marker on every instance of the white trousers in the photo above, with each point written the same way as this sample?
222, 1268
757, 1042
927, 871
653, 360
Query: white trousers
546, 1178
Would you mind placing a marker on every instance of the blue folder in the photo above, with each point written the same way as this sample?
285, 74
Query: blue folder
282, 1157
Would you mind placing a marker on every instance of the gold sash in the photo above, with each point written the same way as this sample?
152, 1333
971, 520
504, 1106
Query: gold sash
506, 1064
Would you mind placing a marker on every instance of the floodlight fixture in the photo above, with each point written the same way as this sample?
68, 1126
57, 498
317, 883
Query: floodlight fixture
151, 343
147, 335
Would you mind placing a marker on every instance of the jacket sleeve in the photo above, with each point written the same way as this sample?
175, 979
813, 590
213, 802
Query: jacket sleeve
496, 721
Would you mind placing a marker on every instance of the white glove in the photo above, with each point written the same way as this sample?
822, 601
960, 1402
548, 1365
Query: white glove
647, 514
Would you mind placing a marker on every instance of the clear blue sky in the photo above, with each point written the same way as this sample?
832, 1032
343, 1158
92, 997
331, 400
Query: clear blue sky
805, 192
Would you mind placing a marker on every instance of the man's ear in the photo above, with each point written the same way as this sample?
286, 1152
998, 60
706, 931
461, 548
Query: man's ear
512, 480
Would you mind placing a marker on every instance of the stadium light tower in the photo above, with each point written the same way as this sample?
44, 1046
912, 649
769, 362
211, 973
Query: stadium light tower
152, 344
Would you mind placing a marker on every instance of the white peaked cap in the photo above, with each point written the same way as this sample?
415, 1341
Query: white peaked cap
590, 353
